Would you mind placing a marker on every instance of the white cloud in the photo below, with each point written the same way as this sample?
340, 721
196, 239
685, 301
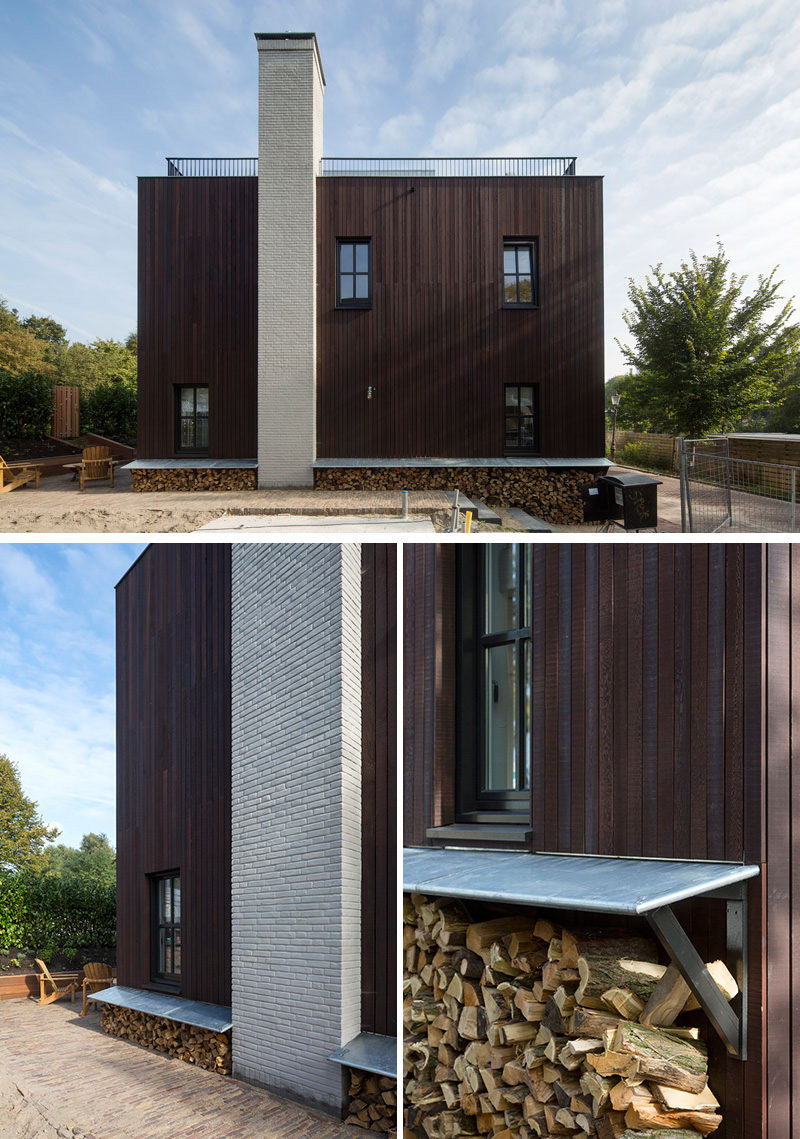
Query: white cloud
445, 34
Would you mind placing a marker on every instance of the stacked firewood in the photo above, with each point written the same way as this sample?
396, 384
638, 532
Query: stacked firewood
206, 478
517, 1028
200, 1046
372, 1102
553, 495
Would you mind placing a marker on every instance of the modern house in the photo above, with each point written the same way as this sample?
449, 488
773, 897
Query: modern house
609, 733
256, 811
306, 320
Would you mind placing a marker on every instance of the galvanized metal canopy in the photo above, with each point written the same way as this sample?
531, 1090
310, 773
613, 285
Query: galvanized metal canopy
200, 1014
643, 887
565, 881
369, 1052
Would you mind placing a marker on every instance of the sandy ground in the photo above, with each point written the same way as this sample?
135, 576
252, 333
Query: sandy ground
59, 507
22, 1117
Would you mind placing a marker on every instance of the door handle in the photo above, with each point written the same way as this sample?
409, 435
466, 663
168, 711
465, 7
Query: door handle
370, 392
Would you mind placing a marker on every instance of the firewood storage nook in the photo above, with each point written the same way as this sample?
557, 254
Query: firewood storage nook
522, 1025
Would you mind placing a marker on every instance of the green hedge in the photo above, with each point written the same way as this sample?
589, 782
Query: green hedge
46, 915
26, 406
109, 408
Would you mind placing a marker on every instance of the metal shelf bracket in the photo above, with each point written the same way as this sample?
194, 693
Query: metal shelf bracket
728, 1019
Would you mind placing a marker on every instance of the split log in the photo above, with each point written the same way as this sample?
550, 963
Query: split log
639, 1117
663, 1056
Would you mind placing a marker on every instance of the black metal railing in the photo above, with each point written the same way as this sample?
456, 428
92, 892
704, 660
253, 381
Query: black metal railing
212, 167
448, 167
386, 167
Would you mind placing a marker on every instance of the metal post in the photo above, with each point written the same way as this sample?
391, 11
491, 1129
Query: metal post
614, 436
405, 504
794, 498
728, 479
683, 475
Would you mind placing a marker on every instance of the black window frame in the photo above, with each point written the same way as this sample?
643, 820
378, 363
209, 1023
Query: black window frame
516, 243
353, 302
536, 447
158, 978
474, 802
180, 417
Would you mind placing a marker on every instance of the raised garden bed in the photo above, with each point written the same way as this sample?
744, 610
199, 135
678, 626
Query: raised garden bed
19, 962
37, 447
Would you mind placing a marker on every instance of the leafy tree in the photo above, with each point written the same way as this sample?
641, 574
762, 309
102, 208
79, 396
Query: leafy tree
26, 405
45, 328
132, 342
23, 834
109, 408
706, 355
102, 361
94, 861
21, 353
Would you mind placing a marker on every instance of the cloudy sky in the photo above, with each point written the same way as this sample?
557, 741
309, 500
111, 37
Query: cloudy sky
689, 108
57, 714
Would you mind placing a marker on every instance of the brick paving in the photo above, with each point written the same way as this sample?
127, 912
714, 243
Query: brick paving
87, 1083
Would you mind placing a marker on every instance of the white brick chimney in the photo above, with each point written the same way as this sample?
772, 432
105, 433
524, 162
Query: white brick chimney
290, 88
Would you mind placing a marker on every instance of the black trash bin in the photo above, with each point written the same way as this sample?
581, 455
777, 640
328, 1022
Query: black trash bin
629, 500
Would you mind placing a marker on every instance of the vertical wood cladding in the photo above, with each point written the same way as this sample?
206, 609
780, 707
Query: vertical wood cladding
174, 759
379, 789
666, 724
437, 344
198, 278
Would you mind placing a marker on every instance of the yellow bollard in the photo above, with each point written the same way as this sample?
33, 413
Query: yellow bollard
467, 521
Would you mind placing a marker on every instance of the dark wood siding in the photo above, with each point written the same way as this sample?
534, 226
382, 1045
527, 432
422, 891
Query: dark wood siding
437, 344
666, 710
174, 759
379, 789
198, 281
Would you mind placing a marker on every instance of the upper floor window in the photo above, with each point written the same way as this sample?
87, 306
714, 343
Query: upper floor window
519, 274
193, 419
494, 688
353, 272
166, 928
521, 418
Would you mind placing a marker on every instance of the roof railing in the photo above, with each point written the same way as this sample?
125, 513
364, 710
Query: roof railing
385, 167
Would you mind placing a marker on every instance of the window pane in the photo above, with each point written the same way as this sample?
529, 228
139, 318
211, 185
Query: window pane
202, 401
512, 435
187, 401
525, 290
500, 760
512, 395
502, 587
201, 433
176, 898
511, 290
176, 955
187, 433
509, 260
526, 702
362, 258
346, 258
362, 286
524, 259
346, 287
166, 900
526, 400
526, 435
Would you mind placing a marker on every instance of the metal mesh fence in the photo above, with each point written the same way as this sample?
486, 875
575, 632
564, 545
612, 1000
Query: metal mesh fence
719, 492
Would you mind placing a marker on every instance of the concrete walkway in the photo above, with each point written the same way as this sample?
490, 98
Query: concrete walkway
61, 1076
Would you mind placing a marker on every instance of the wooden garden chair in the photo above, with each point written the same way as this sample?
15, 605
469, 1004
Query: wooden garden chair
97, 975
46, 981
96, 463
13, 475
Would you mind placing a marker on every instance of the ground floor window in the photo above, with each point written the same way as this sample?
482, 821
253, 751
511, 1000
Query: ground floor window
522, 418
192, 404
166, 928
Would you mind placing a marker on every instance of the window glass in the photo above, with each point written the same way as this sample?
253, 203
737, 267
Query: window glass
509, 261
500, 753
362, 285
362, 257
202, 401
523, 259
502, 587
525, 293
187, 401
346, 287
353, 273
520, 417
346, 258
519, 273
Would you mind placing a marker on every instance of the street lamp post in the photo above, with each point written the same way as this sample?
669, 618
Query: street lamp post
615, 405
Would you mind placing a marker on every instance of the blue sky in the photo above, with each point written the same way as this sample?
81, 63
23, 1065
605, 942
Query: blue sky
57, 712
691, 110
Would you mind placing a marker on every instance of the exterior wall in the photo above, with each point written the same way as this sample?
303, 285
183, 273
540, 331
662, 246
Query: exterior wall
650, 665
289, 151
296, 807
173, 758
379, 789
197, 310
437, 345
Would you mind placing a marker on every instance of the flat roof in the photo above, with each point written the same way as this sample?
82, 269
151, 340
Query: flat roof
369, 1052
191, 465
630, 886
504, 461
216, 1018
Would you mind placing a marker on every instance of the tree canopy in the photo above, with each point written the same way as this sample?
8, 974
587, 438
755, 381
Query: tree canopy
705, 355
23, 833
94, 861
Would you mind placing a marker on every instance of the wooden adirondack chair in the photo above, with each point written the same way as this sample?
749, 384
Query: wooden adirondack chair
96, 463
96, 975
46, 981
13, 475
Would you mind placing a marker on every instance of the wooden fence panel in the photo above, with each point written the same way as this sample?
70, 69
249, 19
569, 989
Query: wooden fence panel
66, 412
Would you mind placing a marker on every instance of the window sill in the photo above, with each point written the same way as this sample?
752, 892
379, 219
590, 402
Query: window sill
481, 832
162, 987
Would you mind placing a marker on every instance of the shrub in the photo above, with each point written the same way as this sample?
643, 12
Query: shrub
26, 405
109, 408
642, 456
49, 915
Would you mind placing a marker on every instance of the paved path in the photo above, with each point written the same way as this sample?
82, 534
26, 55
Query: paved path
74, 1077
